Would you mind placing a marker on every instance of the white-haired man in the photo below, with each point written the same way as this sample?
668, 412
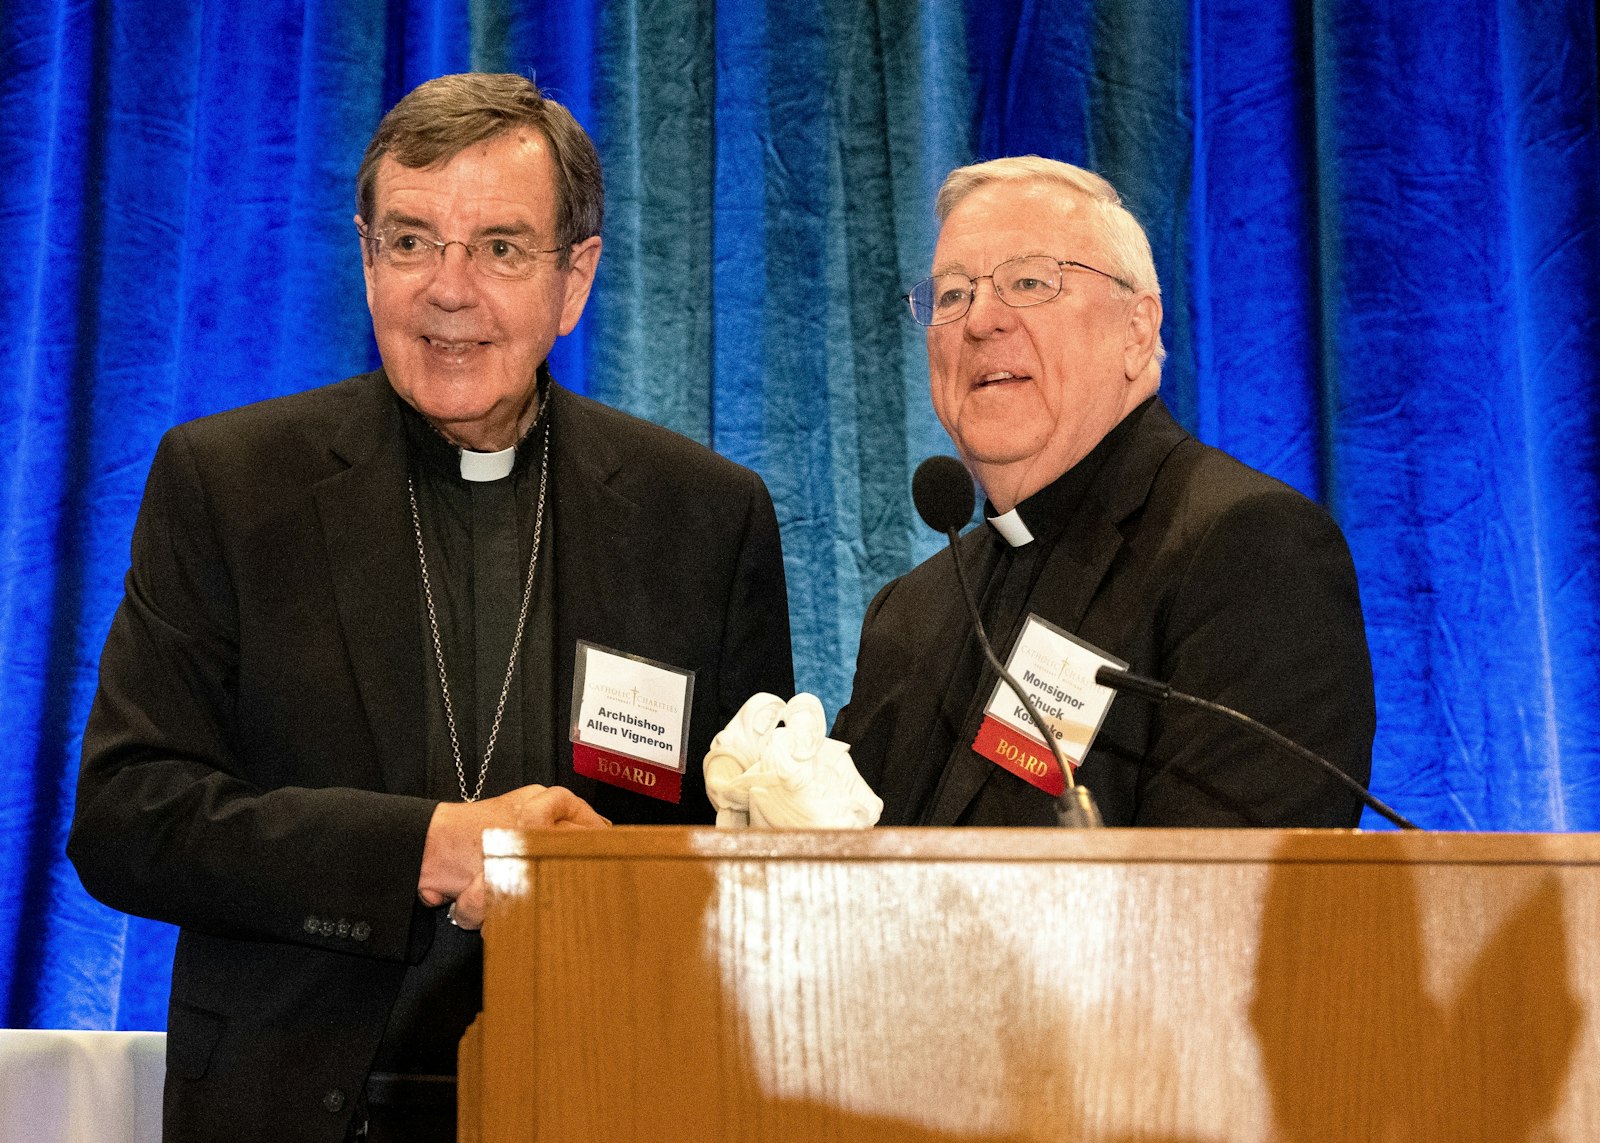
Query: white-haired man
1109, 522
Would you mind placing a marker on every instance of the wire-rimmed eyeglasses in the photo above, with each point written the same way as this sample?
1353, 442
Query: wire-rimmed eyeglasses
1027, 281
410, 251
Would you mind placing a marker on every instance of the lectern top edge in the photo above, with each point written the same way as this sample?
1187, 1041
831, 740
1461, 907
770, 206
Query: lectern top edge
1109, 845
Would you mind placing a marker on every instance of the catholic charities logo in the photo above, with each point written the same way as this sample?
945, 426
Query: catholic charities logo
630, 696
1052, 673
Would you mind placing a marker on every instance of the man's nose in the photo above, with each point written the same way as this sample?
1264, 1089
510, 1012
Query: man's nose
987, 313
454, 284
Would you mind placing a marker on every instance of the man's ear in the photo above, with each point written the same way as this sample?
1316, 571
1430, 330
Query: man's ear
583, 259
1143, 328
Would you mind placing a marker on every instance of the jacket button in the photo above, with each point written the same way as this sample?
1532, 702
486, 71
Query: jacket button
360, 930
344, 927
327, 928
334, 1101
312, 925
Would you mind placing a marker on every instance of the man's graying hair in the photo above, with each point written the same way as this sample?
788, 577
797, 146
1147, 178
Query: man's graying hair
443, 117
1125, 241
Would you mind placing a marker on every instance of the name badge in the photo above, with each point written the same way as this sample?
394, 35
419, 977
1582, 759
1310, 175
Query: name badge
630, 721
1056, 670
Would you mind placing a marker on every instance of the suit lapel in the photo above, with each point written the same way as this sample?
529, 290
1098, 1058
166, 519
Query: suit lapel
598, 575
1081, 560
366, 526
1072, 575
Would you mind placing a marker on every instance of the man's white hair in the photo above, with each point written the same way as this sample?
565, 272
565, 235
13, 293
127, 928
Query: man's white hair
1125, 241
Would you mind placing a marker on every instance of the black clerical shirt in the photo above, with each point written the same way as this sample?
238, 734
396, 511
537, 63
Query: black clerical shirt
477, 537
1004, 582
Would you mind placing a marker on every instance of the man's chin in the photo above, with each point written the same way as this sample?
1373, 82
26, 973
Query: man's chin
1008, 472
474, 427
996, 447
457, 421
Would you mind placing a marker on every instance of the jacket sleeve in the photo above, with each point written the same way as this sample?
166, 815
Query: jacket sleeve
172, 822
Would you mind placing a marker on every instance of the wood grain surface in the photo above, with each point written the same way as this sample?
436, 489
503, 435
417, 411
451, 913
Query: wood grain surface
1122, 985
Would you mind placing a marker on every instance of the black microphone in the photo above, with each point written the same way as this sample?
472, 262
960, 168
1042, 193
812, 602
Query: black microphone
1159, 692
942, 491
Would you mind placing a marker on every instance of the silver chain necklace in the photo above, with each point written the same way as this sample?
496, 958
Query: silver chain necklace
516, 642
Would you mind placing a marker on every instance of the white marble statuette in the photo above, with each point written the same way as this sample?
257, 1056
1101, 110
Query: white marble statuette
774, 767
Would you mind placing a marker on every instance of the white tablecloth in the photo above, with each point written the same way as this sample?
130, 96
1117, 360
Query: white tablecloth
81, 1087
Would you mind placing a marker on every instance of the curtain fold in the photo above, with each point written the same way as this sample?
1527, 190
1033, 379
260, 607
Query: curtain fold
1459, 302
1376, 231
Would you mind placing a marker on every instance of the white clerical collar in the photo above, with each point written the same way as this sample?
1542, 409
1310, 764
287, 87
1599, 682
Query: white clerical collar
485, 466
1011, 528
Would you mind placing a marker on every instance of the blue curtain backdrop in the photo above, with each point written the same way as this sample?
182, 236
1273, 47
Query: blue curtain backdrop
1376, 226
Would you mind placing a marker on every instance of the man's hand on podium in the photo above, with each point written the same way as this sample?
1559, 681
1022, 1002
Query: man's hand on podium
452, 856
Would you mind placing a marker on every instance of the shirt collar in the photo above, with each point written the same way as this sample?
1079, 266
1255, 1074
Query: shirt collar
487, 466
1012, 528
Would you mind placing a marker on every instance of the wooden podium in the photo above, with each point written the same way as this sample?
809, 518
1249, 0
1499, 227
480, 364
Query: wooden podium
660, 984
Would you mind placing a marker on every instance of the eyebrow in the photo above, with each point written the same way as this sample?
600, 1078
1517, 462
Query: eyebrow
961, 268
500, 230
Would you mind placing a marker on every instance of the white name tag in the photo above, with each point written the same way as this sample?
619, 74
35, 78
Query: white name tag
630, 721
1056, 670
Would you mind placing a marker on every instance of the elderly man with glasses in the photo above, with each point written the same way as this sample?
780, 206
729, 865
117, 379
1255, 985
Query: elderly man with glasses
360, 623
1111, 525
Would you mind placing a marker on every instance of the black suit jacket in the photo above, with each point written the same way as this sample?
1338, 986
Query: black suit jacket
1195, 569
253, 762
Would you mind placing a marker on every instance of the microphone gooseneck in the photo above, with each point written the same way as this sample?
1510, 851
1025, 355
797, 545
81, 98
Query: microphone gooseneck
942, 491
1159, 692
